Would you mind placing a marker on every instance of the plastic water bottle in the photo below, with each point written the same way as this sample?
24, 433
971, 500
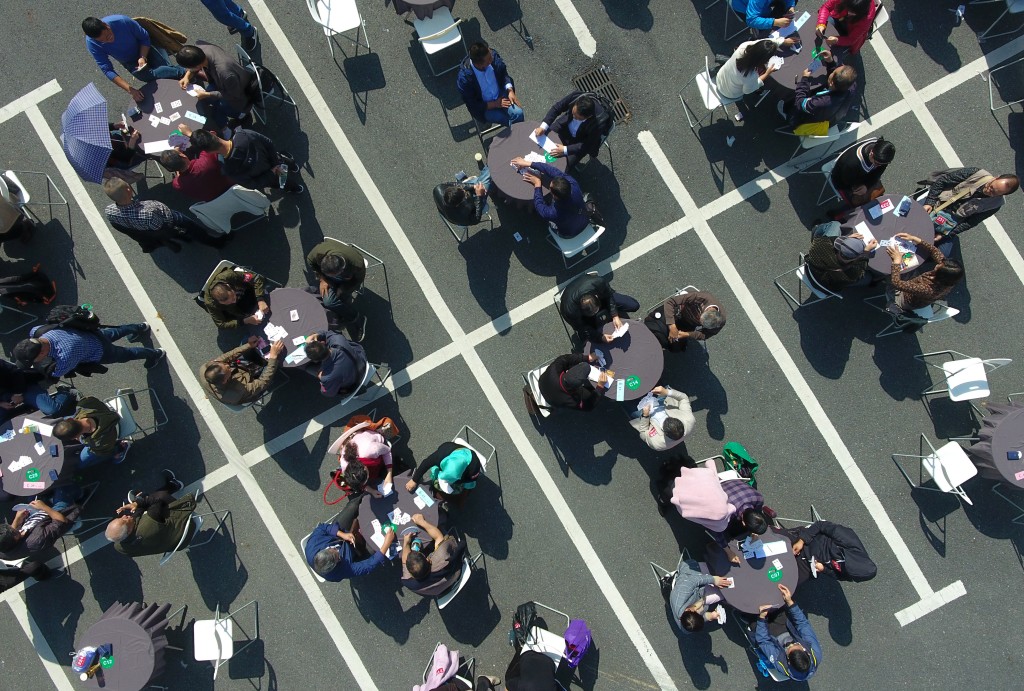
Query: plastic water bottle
958, 14
83, 660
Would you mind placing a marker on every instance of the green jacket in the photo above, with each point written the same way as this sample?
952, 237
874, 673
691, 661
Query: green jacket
249, 286
153, 537
103, 441
245, 386
355, 270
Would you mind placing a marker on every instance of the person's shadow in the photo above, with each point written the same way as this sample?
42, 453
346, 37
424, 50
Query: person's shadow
379, 596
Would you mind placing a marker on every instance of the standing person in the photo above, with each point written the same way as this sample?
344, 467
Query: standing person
231, 86
747, 68
961, 198
487, 87
567, 210
924, 289
228, 13
340, 270
57, 351
241, 376
97, 427
852, 20
693, 596
123, 39
684, 318
577, 120
151, 223
250, 159
786, 640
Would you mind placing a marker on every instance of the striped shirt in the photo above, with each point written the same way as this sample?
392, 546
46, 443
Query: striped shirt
141, 215
69, 348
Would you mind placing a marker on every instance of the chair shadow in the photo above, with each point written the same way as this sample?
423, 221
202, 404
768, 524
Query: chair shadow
581, 458
217, 569
380, 596
690, 371
485, 518
930, 30
308, 468
826, 598
364, 74
632, 14
473, 614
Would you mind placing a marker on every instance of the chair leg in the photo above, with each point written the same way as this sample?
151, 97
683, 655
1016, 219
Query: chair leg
996, 489
213, 533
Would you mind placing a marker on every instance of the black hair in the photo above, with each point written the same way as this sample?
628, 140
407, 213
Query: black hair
417, 565
478, 51
674, 428
799, 660
691, 621
8, 537
883, 151
454, 195
560, 189
756, 55
67, 429
203, 140
585, 106
26, 351
332, 264
172, 161
948, 273
190, 56
93, 27
590, 304
317, 351
356, 473
858, 8
755, 521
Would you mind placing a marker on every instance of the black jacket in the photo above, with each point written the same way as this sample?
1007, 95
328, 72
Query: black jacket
839, 549
588, 327
467, 213
588, 137
251, 158
550, 384
849, 172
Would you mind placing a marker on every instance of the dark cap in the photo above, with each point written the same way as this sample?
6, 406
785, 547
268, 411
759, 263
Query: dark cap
26, 351
849, 249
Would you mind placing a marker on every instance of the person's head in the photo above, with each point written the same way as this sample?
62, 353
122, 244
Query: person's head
590, 304
119, 529
1001, 186
798, 658
855, 9
849, 249
68, 429
673, 428
223, 294
882, 152
119, 191
317, 351
712, 318
480, 55
691, 621
217, 373
191, 57
755, 522
96, 29
454, 196
204, 140
561, 190
418, 565
356, 474
9, 537
333, 265
755, 55
173, 160
326, 560
576, 377
948, 273
28, 351
583, 108
841, 79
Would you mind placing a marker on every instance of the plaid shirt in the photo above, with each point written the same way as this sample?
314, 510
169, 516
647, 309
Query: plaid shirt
141, 215
68, 349
742, 496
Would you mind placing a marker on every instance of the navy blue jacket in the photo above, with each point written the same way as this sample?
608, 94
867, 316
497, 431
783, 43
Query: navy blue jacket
326, 535
570, 218
470, 88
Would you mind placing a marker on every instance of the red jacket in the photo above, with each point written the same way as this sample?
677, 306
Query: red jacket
203, 180
857, 32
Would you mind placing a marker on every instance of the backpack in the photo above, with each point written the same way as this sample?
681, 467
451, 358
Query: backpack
78, 317
522, 622
739, 459
577, 641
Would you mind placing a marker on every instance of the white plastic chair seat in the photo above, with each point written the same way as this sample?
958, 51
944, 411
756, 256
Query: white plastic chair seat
23, 197
13, 563
950, 467
335, 16
931, 314
444, 598
302, 548
730, 474
805, 277
709, 92
217, 214
440, 21
967, 379
545, 642
881, 18
480, 457
213, 640
570, 247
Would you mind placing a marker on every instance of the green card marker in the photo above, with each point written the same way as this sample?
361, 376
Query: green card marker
774, 575
549, 158
107, 662
633, 382
32, 474
815, 52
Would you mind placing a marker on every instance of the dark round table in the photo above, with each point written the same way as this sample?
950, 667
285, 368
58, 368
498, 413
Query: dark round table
917, 222
636, 357
753, 587
515, 142
162, 93
795, 63
421, 8
136, 634
33, 478
312, 317
1002, 430
373, 508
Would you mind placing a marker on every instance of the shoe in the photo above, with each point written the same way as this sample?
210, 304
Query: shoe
161, 354
293, 167
136, 337
662, 507
494, 682
125, 445
173, 481
244, 17
70, 390
781, 107
249, 43
357, 329
294, 189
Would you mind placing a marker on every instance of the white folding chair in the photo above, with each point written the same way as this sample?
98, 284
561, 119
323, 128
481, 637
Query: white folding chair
949, 466
438, 32
708, 93
197, 525
445, 598
579, 245
532, 381
22, 197
125, 401
370, 261
466, 673
901, 319
965, 378
815, 517
217, 214
337, 17
547, 642
992, 86
372, 371
265, 93
819, 293
1012, 7
724, 474
214, 639
462, 439
881, 18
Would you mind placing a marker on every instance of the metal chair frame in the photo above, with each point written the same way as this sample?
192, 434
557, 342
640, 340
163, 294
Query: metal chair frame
197, 521
1010, 5
991, 91
438, 34
372, 371
989, 365
819, 293
957, 490
712, 91
584, 250
367, 257
997, 489
121, 403
225, 625
815, 517
532, 381
261, 103
24, 198
21, 323
466, 572
467, 667
486, 216
901, 320
330, 33
465, 434
730, 12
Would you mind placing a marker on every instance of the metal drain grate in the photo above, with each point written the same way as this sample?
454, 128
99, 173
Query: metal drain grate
598, 81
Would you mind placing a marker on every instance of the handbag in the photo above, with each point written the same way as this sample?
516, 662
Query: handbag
739, 459
943, 221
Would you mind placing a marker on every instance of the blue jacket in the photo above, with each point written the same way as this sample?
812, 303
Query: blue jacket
570, 218
758, 13
801, 631
344, 367
129, 37
326, 535
470, 88
816, 103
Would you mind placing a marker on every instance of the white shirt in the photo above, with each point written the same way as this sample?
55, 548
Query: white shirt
733, 84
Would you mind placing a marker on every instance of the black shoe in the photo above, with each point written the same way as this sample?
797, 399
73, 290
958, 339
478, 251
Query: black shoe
662, 507
160, 356
135, 338
357, 329
245, 18
249, 43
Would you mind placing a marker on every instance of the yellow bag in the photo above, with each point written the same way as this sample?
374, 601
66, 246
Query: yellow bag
817, 129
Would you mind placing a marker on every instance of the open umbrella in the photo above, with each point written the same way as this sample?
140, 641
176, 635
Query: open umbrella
85, 134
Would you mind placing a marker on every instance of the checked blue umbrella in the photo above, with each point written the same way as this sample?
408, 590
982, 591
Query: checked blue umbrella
85, 134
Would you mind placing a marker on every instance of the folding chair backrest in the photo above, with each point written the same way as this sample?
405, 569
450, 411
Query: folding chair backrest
127, 426
446, 597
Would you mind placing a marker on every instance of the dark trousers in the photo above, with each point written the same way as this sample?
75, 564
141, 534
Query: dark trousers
115, 353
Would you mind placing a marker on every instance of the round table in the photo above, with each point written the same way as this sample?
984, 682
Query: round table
753, 587
373, 508
795, 63
312, 318
163, 93
636, 357
1002, 430
515, 142
35, 477
917, 223
136, 636
421, 8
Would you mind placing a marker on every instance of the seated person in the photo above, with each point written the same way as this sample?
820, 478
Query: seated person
728, 510
20, 392
154, 522
684, 318
694, 596
924, 289
430, 572
836, 262
463, 203
747, 68
336, 555
487, 88
786, 640
230, 88
151, 223
577, 120
857, 174
35, 531
852, 20
528, 671
451, 471
666, 424
198, 178
125, 152
566, 382
241, 376
250, 159
340, 270
10, 577
338, 363
828, 548
567, 210
588, 303
964, 197
95, 426
233, 295
822, 100
369, 448
765, 15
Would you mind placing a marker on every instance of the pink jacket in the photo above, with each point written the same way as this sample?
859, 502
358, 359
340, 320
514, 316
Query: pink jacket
369, 444
857, 32
699, 497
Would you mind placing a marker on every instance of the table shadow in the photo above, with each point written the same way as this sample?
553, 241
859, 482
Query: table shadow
56, 605
485, 518
825, 597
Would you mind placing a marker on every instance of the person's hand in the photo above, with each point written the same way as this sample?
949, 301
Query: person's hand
907, 236
807, 73
312, 337
410, 486
791, 41
870, 247
894, 254
937, 238
825, 55
659, 391
17, 399
251, 320
185, 129
388, 539
513, 98
506, 102
520, 162
324, 288
480, 189
928, 208
39, 504
797, 546
128, 507
647, 410
617, 322
20, 517
276, 348
142, 63
264, 307
607, 338
533, 180
782, 22
831, 40
723, 582
7, 406
786, 595
184, 81
602, 379
591, 358
252, 341
417, 518
712, 616
819, 31
347, 537
136, 94
539, 132
279, 169
763, 611
558, 151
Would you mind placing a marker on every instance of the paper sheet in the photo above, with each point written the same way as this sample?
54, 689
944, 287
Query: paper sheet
294, 315
194, 89
600, 357
621, 331
423, 497
298, 340
158, 108
7, 436
156, 147
195, 116
274, 332
174, 116
44, 429
543, 142
385, 490
17, 465
801, 20
865, 232
620, 389
534, 157
399, 517
175, 104
296, 356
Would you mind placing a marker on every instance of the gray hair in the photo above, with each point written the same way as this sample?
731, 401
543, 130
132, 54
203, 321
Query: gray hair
118, 530
712, 319
326, 560
116, 188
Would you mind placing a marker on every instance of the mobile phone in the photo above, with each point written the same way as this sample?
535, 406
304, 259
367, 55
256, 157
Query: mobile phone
460, 176
53, 475
54, 452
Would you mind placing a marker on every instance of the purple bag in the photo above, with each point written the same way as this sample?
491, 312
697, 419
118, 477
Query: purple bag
577, 641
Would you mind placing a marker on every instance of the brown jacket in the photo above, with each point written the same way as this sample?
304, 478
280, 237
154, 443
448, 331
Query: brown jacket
162, 36
246, 384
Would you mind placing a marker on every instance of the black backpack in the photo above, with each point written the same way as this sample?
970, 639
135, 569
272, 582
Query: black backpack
79, 317
522, 622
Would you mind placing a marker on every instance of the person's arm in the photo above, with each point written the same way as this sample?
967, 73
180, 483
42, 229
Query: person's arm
103, 62
543, 208
432, 530
803, 627
431, 461
756, 16
468, 87
255, 388
824, 12
948, 180
361, 568
971, 221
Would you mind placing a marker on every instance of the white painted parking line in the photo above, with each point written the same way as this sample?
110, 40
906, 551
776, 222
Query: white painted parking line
28, 624
23, 103
588, 44
763, 328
